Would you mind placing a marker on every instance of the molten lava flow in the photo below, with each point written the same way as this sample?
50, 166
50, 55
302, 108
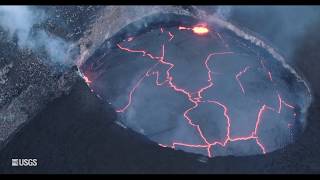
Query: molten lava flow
199, 29
238, 78
280, 103
288, 105
171, 36
195, 98
270, 75
87, 80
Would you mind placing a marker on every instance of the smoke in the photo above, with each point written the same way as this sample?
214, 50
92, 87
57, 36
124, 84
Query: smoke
223, 12
283, 26
19, 22
290, 44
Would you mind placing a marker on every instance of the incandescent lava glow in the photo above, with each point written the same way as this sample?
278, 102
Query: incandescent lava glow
86, 79
200, 30
211, 95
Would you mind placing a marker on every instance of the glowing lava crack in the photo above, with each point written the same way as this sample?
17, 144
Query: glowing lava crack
220, 132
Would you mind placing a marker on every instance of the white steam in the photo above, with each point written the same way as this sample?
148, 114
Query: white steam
223, 12
19, 21
258, 42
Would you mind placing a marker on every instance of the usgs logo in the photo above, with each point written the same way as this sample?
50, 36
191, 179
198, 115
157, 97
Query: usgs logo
24, 162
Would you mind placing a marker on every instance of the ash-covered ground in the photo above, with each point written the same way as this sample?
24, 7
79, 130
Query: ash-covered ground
73, 132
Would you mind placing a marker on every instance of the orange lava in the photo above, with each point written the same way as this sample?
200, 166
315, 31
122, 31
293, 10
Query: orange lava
86, 79
200, 30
